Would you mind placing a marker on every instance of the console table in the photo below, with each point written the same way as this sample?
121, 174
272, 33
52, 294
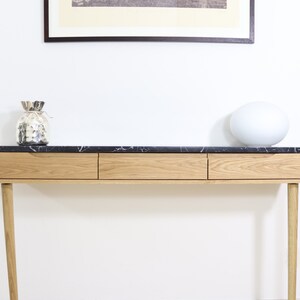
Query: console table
149, 165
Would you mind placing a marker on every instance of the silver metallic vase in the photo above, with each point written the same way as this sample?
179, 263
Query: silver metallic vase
33, 126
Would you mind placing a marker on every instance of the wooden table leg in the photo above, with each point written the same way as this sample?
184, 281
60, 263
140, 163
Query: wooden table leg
292, 237
8, 215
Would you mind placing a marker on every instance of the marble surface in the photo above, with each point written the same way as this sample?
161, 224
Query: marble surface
146, 149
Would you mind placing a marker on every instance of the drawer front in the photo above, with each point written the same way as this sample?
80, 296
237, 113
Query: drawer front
254, 166
152, 166
48, 166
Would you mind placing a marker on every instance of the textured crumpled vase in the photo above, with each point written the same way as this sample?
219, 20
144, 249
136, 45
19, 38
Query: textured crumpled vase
33, 126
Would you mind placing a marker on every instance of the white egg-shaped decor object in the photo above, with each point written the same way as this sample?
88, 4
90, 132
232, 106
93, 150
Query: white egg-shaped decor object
259, 124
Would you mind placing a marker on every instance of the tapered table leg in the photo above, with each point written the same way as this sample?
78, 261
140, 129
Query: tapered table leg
292, 237
8, 214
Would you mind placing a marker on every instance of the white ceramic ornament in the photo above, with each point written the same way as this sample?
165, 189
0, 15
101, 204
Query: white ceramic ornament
259, 124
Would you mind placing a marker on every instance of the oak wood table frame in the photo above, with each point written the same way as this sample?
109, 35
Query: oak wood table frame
139, 168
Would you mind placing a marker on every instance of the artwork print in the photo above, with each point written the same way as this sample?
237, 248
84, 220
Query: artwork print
152, 3
225, 21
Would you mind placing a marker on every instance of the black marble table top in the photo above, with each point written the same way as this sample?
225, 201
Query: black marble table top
146, 149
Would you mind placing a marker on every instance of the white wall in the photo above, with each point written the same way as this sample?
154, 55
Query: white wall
148, 242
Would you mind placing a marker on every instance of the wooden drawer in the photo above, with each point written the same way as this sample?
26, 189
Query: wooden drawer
48, 166
254, 166
152, 166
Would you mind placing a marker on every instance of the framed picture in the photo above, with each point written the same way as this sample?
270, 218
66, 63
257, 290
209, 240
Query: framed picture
222, 21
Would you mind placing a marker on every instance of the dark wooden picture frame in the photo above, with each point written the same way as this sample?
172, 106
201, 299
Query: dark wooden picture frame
48, 37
